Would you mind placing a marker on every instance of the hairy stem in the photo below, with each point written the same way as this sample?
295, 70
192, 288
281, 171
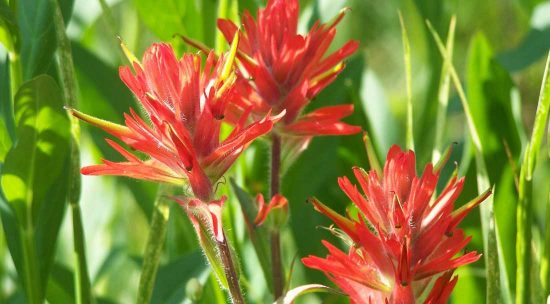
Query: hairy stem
230, 272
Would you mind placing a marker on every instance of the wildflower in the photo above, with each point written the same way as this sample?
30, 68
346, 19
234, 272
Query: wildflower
283, 70
184, 107
402, 239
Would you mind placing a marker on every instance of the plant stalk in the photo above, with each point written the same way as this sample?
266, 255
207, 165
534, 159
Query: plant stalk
69, 85
230, 272
153, 249
276, 264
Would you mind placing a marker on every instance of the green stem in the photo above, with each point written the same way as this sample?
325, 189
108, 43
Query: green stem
276, 264
153, 249
69, 84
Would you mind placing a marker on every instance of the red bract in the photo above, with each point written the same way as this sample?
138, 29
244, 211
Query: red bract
402, 238
283, 70
277, 202
184, 105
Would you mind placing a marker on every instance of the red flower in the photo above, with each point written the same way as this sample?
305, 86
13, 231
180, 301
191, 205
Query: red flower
402, 239
283, 70
184, 105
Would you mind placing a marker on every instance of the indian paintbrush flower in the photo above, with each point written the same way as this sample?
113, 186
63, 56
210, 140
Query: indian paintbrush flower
281, 69
184, 106
402, 240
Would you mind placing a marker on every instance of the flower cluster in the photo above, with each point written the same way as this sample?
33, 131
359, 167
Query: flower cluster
283, 70
185, 105
401, 239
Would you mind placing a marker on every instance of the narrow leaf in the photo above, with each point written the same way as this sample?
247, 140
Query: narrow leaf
443, 94
408, 77
524, 252
495, 277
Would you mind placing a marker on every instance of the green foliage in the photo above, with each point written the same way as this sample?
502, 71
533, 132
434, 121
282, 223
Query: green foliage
490, 93
33, 180
37, 34
484, 101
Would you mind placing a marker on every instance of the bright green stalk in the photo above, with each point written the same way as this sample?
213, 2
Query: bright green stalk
497, 289
408, 76
153, 249
525, 203
69, 85
443, 95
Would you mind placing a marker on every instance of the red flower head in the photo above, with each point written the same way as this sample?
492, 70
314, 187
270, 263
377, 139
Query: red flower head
184, 105
283, 70
402, 238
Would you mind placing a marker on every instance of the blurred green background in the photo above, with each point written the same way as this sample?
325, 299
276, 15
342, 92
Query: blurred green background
499, 52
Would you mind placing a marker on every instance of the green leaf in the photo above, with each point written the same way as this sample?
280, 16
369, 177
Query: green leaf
8, 28
195, 19
36, 160
490, 89
408, 77
443, 96
383, 125
173, 276
5, 141
531, 49
525, 254
60, 285
36, 29
33, 180
497, 288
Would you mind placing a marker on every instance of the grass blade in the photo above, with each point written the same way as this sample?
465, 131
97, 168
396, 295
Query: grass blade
408, 76
496, 277
525, 203
443, 95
